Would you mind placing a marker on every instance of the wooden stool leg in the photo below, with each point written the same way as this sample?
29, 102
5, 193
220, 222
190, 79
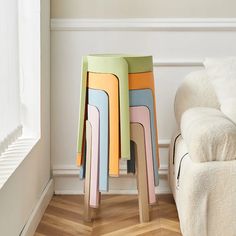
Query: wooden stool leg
87, 210
137, 135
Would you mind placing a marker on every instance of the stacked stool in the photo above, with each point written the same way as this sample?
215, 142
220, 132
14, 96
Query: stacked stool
117, 120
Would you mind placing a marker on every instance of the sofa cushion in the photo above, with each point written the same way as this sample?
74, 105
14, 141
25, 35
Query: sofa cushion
208, 134
195, 91
222, 74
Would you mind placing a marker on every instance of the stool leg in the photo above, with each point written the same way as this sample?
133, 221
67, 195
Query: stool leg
100, 99
87, 210
144, 97
137, 135
141, 115
93, 117
82, 109
109, 84
100, 198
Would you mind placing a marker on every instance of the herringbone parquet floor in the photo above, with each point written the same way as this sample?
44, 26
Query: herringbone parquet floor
118, 216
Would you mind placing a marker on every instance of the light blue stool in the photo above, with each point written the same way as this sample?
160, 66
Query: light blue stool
99, 99
144, 97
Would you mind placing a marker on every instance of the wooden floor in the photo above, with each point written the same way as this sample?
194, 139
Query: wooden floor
118, 215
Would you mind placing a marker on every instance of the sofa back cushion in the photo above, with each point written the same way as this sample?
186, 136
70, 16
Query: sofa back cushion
195, 91
222, 74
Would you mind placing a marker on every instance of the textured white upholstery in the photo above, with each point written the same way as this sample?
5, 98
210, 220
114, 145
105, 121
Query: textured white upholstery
208, 134
222, 75
205, 194
195, 91
202, 184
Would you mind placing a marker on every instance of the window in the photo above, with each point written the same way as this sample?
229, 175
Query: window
30, 66
20, 68
10, 122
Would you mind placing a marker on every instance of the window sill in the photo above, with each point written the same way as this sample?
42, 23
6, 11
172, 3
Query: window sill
14, 156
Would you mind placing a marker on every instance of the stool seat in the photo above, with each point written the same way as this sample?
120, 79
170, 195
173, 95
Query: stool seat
136, 63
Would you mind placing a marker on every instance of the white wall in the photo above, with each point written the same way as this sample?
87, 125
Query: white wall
24, 188
156, 27
142, 8
178, 47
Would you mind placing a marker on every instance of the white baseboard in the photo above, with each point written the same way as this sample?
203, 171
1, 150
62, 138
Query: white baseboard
73, 170
159, 191
39, 210
70, 184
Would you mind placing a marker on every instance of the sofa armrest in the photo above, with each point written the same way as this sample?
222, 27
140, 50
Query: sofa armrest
208, 134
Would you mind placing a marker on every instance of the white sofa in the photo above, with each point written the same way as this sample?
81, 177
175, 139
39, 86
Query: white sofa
202, 165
